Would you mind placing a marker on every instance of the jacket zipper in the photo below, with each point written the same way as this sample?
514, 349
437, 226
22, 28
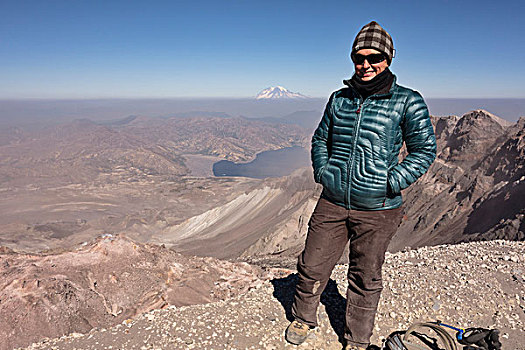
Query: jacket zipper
350, 162
350, 171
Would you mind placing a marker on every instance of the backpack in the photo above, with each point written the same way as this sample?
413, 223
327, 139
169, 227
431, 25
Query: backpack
432, 336
420, 336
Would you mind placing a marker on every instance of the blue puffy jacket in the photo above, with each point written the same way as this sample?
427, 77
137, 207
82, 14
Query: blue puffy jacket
355, 148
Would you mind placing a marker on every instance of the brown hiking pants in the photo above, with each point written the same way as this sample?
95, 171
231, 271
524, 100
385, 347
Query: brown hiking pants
330, 228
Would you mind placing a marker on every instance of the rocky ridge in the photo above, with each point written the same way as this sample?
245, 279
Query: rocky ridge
83, 151
104, 283
234, 139
478, 284
474, 189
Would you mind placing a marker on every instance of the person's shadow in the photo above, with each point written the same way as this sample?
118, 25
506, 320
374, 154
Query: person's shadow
334, 302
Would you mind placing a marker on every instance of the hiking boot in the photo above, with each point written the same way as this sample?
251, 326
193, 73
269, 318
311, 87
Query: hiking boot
297, 332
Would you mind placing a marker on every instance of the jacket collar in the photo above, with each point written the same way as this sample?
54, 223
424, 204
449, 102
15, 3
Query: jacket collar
388, 94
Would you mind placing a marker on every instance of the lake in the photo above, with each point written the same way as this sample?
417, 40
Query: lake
276, 163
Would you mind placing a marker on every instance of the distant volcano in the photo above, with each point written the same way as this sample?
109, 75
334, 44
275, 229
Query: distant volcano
277, 92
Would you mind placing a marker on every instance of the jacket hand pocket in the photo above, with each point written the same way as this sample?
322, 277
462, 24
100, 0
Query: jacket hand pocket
327, 176
390, 191
319, 173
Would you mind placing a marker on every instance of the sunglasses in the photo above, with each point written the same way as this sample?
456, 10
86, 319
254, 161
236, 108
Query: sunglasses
374, 58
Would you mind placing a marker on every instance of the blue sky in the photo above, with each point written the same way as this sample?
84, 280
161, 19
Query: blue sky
106, 49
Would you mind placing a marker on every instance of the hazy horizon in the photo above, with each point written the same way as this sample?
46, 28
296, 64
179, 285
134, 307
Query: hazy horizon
16, 112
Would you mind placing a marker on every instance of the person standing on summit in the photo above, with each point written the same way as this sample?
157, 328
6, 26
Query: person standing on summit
355, 152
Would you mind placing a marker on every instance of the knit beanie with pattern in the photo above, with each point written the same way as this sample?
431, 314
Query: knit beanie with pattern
373, 36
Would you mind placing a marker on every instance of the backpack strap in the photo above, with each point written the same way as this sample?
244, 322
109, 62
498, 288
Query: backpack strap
441, 333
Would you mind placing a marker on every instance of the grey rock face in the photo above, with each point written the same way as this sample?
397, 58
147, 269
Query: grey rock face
474, 189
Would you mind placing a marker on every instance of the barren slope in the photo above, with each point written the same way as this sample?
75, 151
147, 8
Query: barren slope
228, 230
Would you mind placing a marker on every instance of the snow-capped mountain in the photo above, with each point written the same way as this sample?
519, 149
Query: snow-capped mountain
276, 92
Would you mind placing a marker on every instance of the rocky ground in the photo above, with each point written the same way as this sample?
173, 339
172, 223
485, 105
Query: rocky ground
105, 283
478, 284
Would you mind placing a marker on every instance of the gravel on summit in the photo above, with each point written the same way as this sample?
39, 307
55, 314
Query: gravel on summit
479, 284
